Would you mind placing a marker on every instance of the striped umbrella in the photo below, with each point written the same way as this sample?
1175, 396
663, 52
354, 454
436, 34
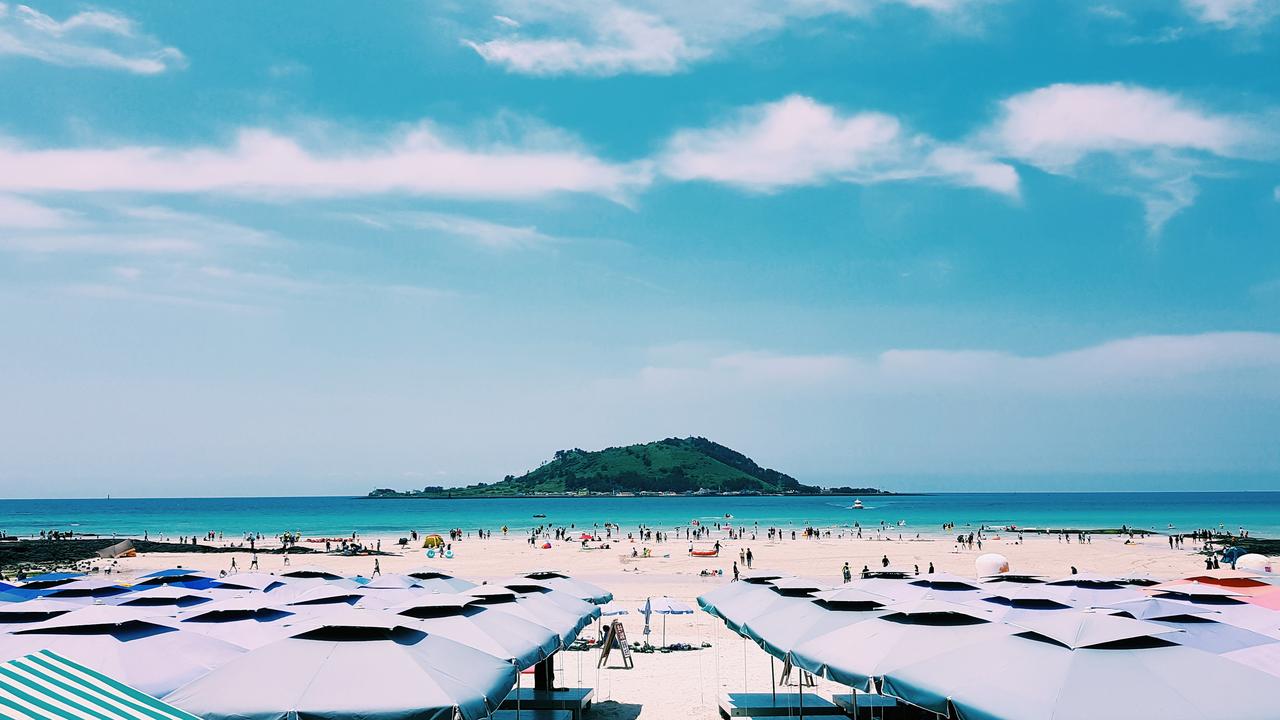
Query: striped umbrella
44, 685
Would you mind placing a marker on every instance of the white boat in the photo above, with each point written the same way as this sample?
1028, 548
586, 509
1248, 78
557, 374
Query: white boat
857, 505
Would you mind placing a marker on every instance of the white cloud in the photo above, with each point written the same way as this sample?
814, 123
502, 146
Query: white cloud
483, 233
1138, 141
17, 212
141, 231
624, 41
1231, 14
91, 38
1157, 363
660, 37
799, 141
417, 161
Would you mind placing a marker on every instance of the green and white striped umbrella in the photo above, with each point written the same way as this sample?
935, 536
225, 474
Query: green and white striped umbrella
45, 685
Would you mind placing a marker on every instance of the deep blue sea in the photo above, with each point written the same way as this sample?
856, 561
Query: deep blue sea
1257, 511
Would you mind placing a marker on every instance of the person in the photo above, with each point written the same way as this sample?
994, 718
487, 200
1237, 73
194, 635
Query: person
930, 568
845, 572
1074, 571
1208, 563
749, 557
917, 568
377, 567
884, 561
233, 563
865, 571
253, 563
735, 570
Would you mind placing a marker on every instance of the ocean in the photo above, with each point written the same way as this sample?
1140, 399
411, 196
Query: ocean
1259, 512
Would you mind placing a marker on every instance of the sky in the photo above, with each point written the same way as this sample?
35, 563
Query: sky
927, 244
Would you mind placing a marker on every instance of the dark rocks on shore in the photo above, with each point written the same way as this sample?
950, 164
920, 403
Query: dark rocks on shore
64, 553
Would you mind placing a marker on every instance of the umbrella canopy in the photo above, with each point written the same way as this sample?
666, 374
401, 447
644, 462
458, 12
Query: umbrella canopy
799, 619
311, 571
250, 581
1259, 657
86, 587
392, 582
946, 581
165, 595
321, 594
664, 605
44, 684
1028, 675
613, 608
152, 657
1194, 589
499, 634
36, 610
858, 653
48, 580
795, 585
580, 589
1153, 608
326, 673
439, 580
735, 602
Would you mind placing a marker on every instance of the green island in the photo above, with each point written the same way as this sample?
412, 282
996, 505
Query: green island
675, 466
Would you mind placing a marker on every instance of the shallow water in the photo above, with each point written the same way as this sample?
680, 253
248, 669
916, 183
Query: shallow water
1257, 511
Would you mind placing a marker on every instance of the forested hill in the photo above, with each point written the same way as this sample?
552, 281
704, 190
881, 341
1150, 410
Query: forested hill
678, 465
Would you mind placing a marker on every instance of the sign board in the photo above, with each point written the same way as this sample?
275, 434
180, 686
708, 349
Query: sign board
616, 636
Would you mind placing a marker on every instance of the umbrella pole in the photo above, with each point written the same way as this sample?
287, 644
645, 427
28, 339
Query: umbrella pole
664, 631
773, 682
800, 692
517, 693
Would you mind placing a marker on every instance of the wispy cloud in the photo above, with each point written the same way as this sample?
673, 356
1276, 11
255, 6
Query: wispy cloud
1135, 140
148, 231
1233, 14
798, 141
91, 38
418, 161
1139, 364
660, 37
21, 213
481, 233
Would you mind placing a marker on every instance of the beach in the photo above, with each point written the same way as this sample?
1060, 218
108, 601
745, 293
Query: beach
676, 684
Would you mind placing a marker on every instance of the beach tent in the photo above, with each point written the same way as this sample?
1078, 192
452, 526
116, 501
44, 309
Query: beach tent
353, 664
149, 654
124, 548
1089, 666
663, 606
46, 685
904, 633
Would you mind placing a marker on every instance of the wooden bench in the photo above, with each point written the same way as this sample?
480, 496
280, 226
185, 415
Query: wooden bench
532, 715
734, 705
576, 700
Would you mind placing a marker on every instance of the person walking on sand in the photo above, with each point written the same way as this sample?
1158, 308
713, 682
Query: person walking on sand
884, 561
735, 570
749, 558
233, 563
845, 572
253, 562
930, 568
377, 567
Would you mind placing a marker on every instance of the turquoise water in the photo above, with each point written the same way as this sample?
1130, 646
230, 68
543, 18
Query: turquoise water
1257, 511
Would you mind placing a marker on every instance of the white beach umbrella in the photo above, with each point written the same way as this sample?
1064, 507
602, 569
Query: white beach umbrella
735, 602
250, 581
327, 670
1072, 668
246, 622
663, 606
1259, 657
499, 634
903, 633
162, 595
798, 620
580, 589
150, 655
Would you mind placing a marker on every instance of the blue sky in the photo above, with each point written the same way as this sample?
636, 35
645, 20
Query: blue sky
939, 244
